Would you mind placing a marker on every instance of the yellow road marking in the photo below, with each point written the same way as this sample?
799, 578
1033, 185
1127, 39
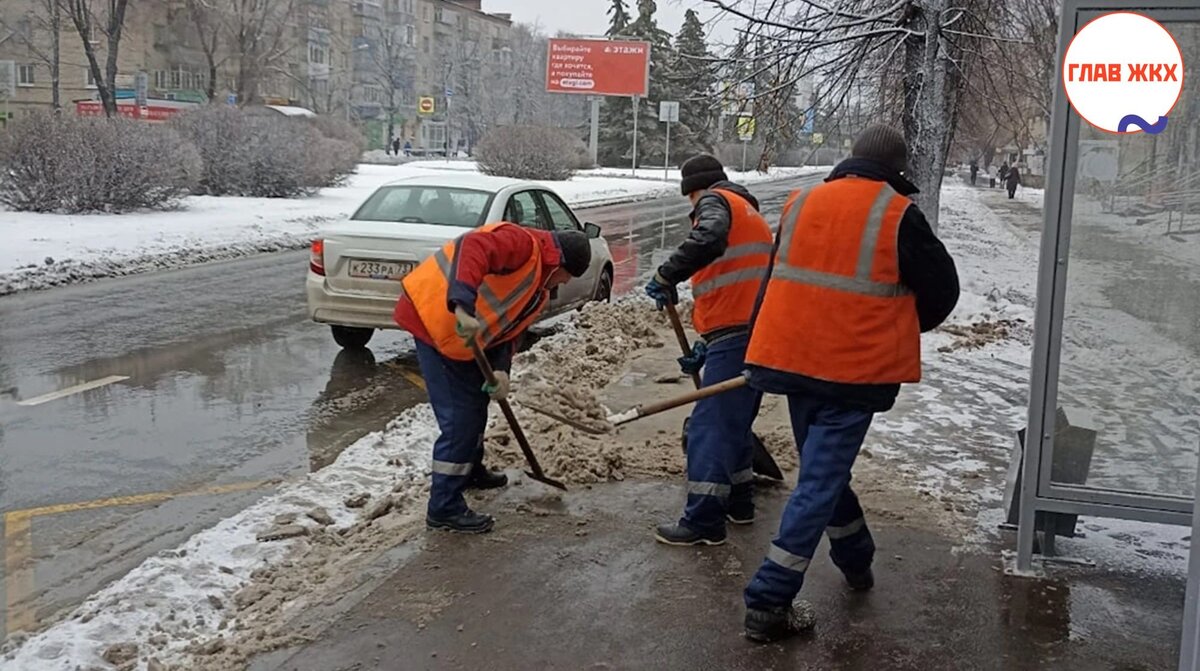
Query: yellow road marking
408, 374
71, 391
18, 563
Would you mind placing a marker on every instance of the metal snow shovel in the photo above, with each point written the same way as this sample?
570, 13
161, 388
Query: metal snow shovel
535, 469
763, 463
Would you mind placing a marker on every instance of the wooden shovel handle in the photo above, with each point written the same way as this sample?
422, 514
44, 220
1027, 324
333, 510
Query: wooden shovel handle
681, 336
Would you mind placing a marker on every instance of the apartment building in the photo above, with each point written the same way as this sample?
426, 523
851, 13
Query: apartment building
372, 61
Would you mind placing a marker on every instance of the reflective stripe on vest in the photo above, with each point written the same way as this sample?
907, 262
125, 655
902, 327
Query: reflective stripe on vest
861, 283
500, 307
726, 289
835, 307
505, 304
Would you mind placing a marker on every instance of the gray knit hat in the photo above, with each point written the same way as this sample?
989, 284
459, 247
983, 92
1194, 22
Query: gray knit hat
882, 143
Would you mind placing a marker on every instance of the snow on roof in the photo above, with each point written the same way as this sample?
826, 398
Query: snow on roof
289, 110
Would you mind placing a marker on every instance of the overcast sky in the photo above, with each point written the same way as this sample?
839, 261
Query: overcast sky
589, 17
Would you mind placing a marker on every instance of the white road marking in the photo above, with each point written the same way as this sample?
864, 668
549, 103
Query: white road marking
71, 391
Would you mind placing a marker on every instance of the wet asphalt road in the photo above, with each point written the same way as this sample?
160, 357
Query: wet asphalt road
230, 390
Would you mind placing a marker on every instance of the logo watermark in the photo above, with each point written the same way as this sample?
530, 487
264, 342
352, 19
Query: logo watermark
1123, 73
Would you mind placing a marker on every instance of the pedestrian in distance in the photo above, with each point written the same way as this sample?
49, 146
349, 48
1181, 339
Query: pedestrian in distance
486, 287
1013, 181
408, 148
974, 172
857, 276
396, 146
1002, 172
726, 256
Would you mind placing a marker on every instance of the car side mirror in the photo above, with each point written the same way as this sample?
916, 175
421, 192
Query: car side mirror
592, 230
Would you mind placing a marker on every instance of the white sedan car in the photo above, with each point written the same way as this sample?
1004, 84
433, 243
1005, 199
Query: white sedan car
356, 266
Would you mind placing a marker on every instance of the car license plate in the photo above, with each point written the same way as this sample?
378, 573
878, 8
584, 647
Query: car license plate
380, 270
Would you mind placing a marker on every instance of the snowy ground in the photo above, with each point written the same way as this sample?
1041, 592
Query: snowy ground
44, 250
947, 443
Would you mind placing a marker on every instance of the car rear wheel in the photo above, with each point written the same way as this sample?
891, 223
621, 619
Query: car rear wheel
604, 287
352, 337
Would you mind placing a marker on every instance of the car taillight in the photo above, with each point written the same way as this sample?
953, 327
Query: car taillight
316, 260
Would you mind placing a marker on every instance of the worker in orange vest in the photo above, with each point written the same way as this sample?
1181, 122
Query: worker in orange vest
857, 275
488, 285
726, 256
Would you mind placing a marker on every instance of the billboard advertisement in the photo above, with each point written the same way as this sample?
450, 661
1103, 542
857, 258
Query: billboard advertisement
598, 67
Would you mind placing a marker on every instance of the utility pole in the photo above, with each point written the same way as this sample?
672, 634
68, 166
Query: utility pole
636, 100
594, 138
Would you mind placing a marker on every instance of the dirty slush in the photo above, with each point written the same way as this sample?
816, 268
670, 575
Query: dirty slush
575, 372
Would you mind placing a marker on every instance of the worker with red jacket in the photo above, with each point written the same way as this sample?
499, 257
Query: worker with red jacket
857, 275
489, 286
726, 257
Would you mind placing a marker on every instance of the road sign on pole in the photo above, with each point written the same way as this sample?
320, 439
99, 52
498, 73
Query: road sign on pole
668, 111
746, 126
426, 105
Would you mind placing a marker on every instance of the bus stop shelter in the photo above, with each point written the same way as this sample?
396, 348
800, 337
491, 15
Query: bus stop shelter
1128, 205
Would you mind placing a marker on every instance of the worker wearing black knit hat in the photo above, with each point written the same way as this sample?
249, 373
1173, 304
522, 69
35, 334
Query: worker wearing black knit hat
726, 257
857, 276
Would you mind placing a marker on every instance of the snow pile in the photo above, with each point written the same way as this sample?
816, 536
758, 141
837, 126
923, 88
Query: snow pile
176, 603
46, 250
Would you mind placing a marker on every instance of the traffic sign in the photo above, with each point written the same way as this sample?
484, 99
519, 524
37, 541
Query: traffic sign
449, 93
231, 99
598, 67
426, 105
746, 127
668, 111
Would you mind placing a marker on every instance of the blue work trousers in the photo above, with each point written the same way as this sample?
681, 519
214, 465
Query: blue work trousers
719, 441
829, 437
461, 406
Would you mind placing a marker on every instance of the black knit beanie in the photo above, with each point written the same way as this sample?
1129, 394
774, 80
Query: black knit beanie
576, 251
701, 172
884, 144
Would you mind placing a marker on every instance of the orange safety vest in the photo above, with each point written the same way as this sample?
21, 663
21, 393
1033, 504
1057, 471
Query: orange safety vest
835, 308
506, 304
726, 289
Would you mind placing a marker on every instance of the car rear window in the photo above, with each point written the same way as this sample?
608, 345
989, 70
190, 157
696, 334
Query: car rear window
439, 205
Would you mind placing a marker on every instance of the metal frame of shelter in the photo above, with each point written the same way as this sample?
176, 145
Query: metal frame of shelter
1038, 492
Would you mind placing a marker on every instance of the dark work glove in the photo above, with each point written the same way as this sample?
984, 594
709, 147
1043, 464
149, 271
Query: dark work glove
691, 365
662, 292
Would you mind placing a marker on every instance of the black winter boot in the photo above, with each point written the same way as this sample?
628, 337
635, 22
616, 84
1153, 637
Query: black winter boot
469, 522
482, 478
861, 582
775, 624
677, 534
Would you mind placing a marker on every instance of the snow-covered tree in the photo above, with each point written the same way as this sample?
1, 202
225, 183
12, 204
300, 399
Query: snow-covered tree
618, 16
694, 79
916, 54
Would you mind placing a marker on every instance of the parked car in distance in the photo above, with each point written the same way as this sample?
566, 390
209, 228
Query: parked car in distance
356, 266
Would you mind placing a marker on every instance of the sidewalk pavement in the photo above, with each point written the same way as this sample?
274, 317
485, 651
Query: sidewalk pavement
580, 584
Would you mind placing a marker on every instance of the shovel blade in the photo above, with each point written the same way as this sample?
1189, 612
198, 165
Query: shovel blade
545, 480
763, 463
